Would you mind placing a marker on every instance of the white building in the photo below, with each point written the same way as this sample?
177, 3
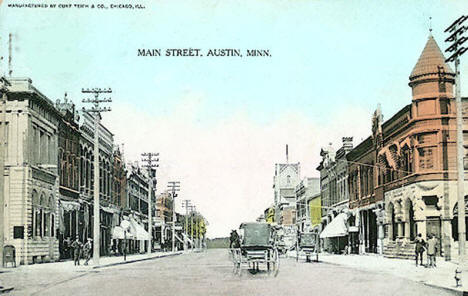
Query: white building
31, 181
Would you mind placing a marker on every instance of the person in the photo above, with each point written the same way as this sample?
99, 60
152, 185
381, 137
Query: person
76, 245
431, 251
87, 251
419, 249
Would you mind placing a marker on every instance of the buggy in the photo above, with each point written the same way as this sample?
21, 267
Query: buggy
306, 245
256, 249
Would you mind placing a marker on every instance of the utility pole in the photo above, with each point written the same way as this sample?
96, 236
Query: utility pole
10, 54
458, 50
173, 186
151, 165
192, 209
96, 111
186, 205
3, 141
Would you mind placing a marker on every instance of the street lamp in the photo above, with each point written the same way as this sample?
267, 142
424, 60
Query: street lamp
126, 226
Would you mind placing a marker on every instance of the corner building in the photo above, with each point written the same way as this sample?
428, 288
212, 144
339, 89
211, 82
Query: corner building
31, 179
417, 152
402, 179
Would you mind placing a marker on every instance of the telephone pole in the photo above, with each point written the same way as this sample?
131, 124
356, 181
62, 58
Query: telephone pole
96, 111
457, 30
151, 165
173, 186
186, 204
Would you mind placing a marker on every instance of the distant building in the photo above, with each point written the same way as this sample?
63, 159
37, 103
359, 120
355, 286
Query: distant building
285, 180
305, 190
334, 190
137, 201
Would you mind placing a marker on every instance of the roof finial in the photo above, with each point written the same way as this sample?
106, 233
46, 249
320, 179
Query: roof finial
430, 25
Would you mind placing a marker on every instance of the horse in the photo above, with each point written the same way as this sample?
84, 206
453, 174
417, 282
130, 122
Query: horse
234, 239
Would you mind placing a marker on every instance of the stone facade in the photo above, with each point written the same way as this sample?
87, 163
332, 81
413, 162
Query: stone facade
31, 179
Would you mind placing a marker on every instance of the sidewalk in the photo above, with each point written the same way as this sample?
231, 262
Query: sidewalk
29, 277
442, 276
103, 262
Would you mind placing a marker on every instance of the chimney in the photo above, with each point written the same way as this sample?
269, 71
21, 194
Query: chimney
347, 143
287, 154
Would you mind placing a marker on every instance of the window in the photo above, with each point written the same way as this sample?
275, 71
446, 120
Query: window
43, 215
42, 148
444, 106
50, 157
4, 129
426, 160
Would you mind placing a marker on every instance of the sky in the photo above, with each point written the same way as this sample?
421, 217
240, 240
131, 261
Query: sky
221, 123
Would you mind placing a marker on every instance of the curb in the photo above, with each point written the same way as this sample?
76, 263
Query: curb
449, 289
137, 260
5, 290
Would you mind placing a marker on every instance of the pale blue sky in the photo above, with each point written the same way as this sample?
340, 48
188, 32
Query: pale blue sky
332, 62
324, 52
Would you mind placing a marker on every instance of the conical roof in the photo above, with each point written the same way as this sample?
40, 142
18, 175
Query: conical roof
431, 58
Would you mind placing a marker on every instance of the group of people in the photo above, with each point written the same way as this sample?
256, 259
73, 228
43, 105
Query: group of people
431, 246
79, 249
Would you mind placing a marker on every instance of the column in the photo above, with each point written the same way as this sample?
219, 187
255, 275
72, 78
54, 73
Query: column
407, 229
381, 235
400, 229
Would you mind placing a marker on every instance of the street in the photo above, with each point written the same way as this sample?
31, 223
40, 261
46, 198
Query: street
210, 273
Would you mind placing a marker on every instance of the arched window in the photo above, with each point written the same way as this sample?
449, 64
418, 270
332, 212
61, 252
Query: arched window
35, 217
51, 208
43, 215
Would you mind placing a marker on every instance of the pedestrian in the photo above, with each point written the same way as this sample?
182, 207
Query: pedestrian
76, 245
431, 251
419, 248
87, 251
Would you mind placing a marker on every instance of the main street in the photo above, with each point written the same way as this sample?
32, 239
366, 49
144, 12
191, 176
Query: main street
210, 273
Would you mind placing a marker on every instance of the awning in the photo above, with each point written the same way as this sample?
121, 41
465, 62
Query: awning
69, 205
118, 233
138, 231
353, 229
110, 210
336, 228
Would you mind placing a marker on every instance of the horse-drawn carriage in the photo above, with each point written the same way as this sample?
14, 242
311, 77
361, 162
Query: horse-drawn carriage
306, 245
254, 247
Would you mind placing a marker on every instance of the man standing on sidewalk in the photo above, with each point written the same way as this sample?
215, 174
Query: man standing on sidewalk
76, 245
431, 251
419, 249
87, 251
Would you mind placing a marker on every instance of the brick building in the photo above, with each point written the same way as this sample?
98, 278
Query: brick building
402, 179
69, 174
